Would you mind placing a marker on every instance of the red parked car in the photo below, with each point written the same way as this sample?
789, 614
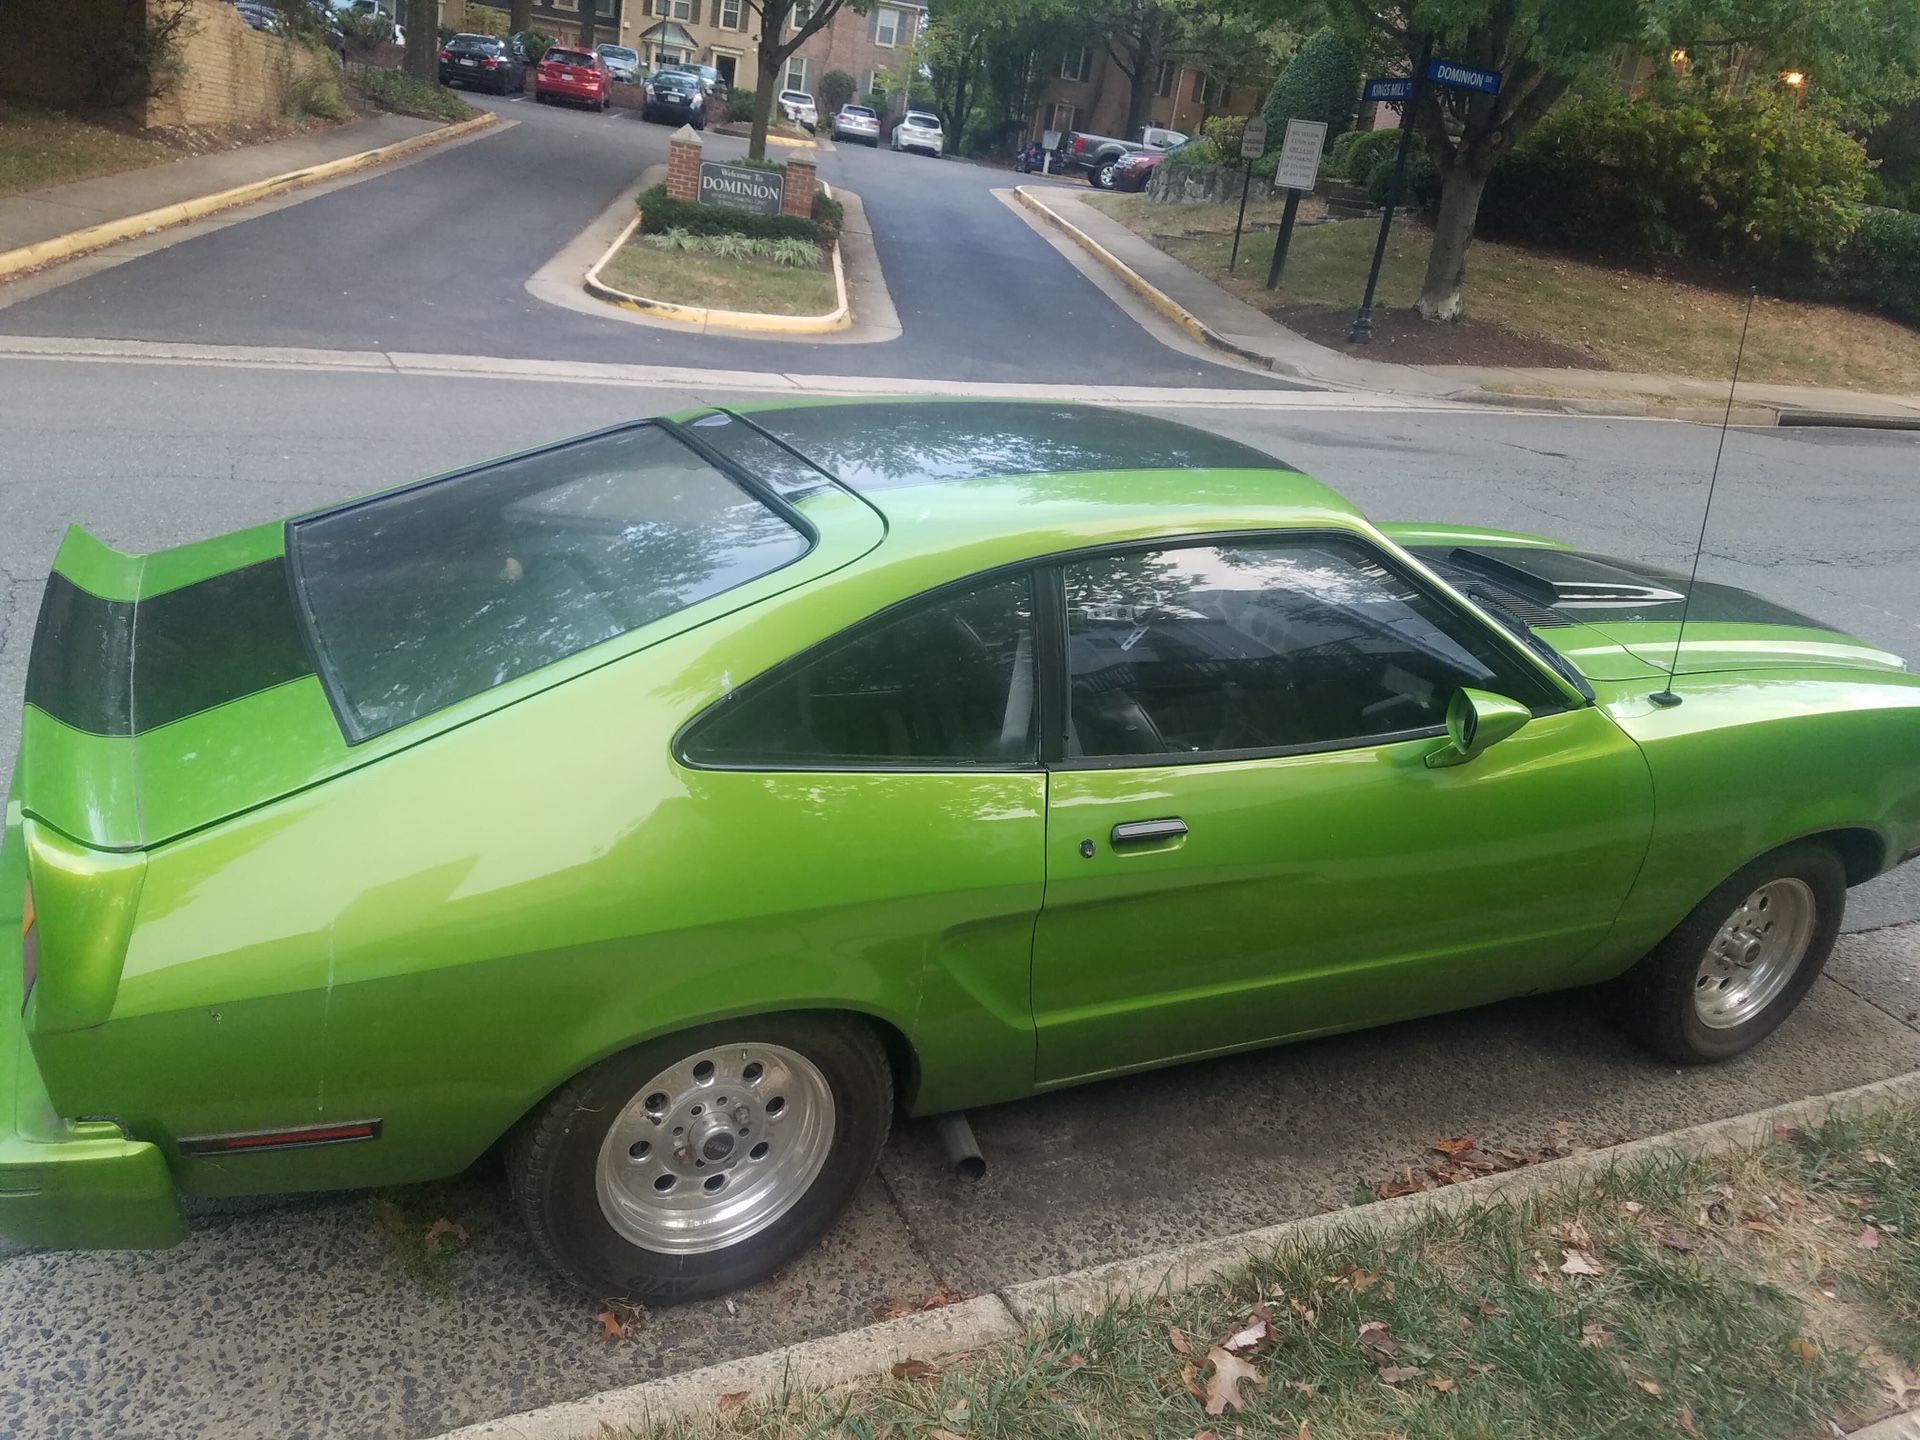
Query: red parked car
1132, 172
573, 75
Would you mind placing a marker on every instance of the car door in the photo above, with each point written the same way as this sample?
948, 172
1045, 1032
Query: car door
1245, 842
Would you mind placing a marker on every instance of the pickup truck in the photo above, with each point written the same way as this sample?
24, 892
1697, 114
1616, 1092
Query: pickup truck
1097, 155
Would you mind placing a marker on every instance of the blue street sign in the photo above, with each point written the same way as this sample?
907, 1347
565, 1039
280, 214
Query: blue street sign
1389, 89
1463, 77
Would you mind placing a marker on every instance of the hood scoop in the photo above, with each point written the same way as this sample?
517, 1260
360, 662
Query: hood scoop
1564, 577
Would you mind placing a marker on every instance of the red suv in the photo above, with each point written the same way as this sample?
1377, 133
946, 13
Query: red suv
573, 75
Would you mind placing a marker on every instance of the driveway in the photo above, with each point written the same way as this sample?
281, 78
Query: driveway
304, 1317
434, 257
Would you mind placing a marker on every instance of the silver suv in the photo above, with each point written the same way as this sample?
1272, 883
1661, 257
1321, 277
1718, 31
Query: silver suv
919, 130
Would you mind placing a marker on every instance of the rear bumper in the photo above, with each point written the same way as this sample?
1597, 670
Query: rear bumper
569, 91
64, 1184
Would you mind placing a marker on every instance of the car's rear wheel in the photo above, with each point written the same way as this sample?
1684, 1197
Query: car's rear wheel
1105, 174
705, 1161
1741, 961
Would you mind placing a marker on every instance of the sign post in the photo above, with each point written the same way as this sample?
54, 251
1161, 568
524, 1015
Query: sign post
1253, 144
1297, 172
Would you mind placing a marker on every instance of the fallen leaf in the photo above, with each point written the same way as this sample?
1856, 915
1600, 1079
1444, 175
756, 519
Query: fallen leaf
1363, 1280
1302, 1434
1305, 1312
1178, 1341
1479, 1369
1076, 1358
1674, 1240
1454, 1149
1758, 1226
911, 1369
933, 1300
939, 1434
1410, 1184
1250, 1337
1400, 1374
733, 1400
1223, 1386
1197, 1435
1686, 1420
1445, 1387
1574, 1234
1633, 1207
1651, 1388
1594, 1335
1578, 1262
611, 1326
1302, 1386
442, 1228
1874, 1157
1804, 1348
1867, 1239
1486, 1308
1373, 1330
1190, 1377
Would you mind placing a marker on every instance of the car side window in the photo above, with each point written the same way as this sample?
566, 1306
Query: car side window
1265, 646
951, 681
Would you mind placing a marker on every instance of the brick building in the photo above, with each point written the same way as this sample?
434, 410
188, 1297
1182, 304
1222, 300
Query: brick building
1087, 90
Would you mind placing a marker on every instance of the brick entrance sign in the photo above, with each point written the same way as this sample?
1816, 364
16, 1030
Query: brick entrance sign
683, 175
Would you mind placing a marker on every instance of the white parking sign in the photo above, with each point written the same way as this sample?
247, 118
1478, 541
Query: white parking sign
1300, 155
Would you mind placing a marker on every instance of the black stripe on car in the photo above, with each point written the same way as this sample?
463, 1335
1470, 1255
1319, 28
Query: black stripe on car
118, 667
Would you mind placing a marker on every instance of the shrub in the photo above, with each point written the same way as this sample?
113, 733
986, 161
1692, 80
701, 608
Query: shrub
793, 253
829, 214
1750, 182
660, 214
1321, 82
399, 92
1422, 186
836, 89
315, 91
536, 43
1878, 265
1225, 131
798, 254
1199, 151
740, 106
484, 20
1364, 150
365, 32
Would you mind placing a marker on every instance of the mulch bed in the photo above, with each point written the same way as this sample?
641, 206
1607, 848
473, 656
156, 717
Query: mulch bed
1403, 337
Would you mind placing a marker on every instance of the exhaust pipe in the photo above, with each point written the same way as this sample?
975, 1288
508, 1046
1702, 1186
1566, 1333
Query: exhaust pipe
963, 1151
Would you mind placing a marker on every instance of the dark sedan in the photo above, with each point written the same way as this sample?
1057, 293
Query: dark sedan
675, 95
483, 60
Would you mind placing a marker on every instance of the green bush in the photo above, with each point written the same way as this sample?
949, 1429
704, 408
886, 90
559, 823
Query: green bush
1198, 151
536, 43
1750, 182
1878, 265
792, 253
659, 213
1226, 132
740, 106
1321, 82
399, 92
835, 89
315, 92
1422, 185
1363, 150
829, 214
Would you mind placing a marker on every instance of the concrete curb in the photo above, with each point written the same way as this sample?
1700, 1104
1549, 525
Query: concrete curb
1152, 294
870, 1352
839, 318
94, 237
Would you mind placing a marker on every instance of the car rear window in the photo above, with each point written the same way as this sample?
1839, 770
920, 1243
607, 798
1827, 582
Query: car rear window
860, 110
614, 52
476, 42
425, 596
923, 122
570, 57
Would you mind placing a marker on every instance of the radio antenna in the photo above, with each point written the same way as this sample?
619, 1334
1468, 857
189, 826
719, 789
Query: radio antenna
1666, 696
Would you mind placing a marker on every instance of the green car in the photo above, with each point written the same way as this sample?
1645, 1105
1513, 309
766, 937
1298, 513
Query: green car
674, 803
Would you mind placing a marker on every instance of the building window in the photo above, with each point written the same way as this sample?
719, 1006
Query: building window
1207, 92
797, 74
604, 9
1077, 64
883, 26
673, 9
801, 13
1164, 77
731, 12
1061, 118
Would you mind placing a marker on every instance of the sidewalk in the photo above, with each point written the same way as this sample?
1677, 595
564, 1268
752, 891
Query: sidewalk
1216, 318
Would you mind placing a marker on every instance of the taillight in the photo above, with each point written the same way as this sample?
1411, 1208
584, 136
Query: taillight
1079, 143
446, 54
29, 951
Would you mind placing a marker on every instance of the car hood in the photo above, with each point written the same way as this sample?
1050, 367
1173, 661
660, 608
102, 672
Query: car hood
1617, 619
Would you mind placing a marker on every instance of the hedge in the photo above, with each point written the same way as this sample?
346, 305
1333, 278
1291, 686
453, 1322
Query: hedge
659, 213
1878, 265
1363, 150
1321, 82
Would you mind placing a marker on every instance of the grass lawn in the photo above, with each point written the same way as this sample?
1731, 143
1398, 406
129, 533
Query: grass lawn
48, 147
751, 285
1760, 1295
1528, 307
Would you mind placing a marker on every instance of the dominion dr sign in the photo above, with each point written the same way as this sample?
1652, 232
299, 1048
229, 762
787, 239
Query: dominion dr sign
740, 187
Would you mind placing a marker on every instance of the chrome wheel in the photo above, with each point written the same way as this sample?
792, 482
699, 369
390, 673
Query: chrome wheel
1755, 953
716, 1148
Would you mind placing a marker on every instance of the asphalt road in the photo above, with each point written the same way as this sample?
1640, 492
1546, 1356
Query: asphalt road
434, 257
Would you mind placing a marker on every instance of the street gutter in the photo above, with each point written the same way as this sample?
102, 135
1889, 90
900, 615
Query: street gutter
844, 1359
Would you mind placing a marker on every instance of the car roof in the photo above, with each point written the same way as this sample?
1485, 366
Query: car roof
939, 468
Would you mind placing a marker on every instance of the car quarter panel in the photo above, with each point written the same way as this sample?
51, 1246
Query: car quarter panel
1749, 762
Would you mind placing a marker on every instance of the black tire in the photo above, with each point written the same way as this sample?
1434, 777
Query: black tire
1655, 1000
553, 1157
1103, 174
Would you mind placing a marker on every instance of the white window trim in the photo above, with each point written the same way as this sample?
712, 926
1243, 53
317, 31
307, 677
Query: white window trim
787, 81
881, 15
1053, 117
1080, 72
739, 9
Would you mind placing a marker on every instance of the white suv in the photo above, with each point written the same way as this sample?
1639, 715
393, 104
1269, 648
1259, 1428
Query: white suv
919, 130
798, 106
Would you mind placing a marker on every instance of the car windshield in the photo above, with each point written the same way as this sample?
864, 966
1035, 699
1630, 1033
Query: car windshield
569, 57
428, 595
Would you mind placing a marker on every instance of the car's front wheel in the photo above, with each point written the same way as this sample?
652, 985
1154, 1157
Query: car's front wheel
1104, 176
1741, 961
702, 1162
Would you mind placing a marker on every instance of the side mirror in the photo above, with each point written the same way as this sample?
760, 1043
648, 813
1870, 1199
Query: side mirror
1477, 721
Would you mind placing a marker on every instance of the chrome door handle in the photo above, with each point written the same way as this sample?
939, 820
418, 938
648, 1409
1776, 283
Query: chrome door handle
1142, 832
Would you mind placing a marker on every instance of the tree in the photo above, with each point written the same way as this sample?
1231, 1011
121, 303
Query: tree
520, 16
835, 89
422, 56
776, 47
1322, 83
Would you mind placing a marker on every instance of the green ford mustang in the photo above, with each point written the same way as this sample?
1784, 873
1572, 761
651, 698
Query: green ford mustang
673, 802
